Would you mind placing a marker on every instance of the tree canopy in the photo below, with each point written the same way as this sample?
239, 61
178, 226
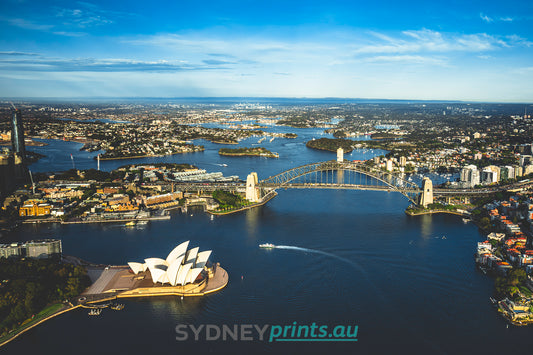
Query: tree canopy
28, 285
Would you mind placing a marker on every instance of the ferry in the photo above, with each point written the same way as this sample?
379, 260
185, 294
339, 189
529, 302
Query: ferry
267, 246
130, 224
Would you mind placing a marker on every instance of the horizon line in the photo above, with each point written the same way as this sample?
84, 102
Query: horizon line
70, 98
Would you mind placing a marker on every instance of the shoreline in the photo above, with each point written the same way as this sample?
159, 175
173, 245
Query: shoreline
18, 332
147, 156
248, 155
263, 201
220, 277
421, 213
157, 218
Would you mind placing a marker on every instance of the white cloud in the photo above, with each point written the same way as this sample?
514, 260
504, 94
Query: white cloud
486, 18
69, 34
432, 41
489, 19
407, 59
234, 63
29, 25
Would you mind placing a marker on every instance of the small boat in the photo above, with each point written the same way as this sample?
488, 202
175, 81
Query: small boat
95, 312
267, 246
117, 307
130, 224
142, 223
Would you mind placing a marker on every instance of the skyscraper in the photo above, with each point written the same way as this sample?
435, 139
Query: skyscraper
17, 136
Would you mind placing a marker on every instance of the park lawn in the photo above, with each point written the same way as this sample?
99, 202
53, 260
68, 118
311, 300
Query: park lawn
46, 312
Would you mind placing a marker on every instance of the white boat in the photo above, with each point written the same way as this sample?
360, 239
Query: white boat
95, 312
267, 246
142, 223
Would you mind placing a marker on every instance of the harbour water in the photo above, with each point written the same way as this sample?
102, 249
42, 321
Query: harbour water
352, 258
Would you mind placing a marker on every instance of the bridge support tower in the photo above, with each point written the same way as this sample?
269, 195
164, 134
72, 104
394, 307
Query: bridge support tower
340, 155
252, 192
426, 197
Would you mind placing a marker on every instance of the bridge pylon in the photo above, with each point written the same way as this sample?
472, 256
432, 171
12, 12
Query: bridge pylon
426, 197
340, 155
252, 192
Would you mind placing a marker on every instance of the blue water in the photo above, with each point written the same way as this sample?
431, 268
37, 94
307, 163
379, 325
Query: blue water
347, 257
292, 152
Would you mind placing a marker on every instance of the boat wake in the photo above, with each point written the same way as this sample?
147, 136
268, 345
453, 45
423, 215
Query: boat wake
347, 261
385, 302
314, 251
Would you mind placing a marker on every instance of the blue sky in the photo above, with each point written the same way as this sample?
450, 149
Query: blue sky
453, 50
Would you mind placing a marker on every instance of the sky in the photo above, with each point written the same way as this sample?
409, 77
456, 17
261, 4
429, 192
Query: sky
382, 49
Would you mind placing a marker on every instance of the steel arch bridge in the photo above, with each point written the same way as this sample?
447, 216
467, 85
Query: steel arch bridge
366, 178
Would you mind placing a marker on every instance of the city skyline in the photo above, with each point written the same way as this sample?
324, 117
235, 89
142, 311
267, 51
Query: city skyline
479, 51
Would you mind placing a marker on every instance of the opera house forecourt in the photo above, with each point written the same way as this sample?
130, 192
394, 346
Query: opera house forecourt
184, 272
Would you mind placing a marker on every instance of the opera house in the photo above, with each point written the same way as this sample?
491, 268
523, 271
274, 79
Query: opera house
181, 266
184, 272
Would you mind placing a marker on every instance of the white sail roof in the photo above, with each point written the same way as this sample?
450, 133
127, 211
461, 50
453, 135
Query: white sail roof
158, 275
182, 274
177, 252
137, 267
202, 258
172, 271
156, 262
192, 275
181, 266
191, 255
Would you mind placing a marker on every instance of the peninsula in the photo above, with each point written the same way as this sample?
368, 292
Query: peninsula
330, 144
248, 152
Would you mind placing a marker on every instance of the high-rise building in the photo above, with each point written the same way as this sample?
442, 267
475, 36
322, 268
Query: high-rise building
13, 170
33, 249
525, 159
489, 176
17, 136
507, 172
403, 161
470, 176
389, 165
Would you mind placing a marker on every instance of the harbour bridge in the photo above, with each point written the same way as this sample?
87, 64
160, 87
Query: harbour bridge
344, 174
336, 174
332, 174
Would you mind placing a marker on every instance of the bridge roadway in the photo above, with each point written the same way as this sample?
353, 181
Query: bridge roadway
241, 187
383, 181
